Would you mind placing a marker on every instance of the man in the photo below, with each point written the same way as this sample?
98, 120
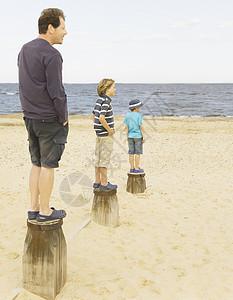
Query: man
44, 105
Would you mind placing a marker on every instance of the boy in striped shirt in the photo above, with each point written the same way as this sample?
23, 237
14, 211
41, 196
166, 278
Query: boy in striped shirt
102, 117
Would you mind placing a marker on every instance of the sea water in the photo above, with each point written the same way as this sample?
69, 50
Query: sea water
181, 100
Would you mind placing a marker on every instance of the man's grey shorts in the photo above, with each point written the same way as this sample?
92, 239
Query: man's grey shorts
135, 146
47, 138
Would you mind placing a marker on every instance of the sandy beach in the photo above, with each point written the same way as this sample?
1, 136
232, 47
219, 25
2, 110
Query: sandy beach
174, 242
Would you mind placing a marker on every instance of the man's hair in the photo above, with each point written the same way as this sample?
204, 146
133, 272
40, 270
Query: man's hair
49, 16
104, 85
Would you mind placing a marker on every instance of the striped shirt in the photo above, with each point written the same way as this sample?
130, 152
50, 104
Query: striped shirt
103, 106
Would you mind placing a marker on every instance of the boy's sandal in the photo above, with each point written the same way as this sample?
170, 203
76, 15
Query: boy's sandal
32, 215
96, 185
109, 186
56, 214
138, 171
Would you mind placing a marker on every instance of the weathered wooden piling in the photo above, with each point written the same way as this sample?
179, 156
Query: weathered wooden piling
136, 183
105, 208
44, 258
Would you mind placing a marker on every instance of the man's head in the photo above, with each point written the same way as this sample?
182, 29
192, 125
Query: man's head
107, 87
52, 25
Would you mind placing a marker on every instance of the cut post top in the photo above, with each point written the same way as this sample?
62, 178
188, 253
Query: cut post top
49, 225
136, 174
104, 192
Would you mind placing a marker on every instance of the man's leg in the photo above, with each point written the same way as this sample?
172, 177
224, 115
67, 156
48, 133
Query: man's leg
103, 172
46, 182
34, 187
137, 161
97, 175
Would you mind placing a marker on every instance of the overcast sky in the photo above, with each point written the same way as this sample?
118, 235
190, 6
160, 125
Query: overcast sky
146, 41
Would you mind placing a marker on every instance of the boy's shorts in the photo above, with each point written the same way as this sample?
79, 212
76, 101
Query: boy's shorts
47, 138
135, 146
103, 151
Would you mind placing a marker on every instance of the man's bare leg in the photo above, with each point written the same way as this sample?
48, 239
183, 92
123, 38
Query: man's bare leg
34, 187
103, 172
46, 182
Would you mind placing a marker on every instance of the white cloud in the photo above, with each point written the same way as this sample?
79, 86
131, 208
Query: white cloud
190, 22
226, 25
144, 38
125, 29
193, 21
178, 25
77, 33
208, 37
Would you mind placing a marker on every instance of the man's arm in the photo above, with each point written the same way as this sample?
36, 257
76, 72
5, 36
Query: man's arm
55, 87
105, 124
93, 117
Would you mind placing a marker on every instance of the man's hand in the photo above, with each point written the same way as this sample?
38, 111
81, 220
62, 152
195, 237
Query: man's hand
111, 132
64, 124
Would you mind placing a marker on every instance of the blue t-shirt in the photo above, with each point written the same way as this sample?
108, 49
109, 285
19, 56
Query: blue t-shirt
133, 120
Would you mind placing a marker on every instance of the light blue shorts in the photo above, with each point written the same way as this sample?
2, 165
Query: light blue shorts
135, 146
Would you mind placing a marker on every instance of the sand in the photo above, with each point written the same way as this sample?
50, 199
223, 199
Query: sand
175, 241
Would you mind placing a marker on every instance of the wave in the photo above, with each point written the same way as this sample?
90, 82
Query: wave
159, 92
9, 93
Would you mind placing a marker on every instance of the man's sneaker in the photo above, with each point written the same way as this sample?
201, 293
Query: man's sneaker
138, 171
109, 186
56, 214
96, 185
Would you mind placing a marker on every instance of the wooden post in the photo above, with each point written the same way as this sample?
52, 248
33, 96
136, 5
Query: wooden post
44, 258
136, 183
105, 208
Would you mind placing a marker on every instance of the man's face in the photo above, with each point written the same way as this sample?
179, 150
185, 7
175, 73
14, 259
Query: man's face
111, 91
59, 32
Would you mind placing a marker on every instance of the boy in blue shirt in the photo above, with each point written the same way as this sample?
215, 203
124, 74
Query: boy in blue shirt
135, 134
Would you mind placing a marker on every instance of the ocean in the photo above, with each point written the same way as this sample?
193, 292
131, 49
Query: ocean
182, 100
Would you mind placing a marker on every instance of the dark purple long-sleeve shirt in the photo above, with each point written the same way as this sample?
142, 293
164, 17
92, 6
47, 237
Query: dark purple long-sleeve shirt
42, 94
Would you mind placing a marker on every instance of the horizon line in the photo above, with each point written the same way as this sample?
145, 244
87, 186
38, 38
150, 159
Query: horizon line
137, 82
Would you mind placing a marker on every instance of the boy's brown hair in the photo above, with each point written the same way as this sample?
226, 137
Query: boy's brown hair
104, 85
49, 16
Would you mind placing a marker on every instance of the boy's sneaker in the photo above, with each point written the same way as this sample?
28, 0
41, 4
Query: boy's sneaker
138, 171
109, 186
131, 170
96, 185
